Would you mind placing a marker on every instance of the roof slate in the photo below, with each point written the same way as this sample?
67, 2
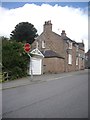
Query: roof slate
50, 54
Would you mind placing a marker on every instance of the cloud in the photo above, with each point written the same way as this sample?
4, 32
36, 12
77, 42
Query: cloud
73, 20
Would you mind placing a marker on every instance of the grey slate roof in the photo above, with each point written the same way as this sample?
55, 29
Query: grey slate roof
50, 54
67, 38
81, 45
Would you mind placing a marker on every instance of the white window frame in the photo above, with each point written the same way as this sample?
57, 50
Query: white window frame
70, 45
76, 60
43, 44
69, 59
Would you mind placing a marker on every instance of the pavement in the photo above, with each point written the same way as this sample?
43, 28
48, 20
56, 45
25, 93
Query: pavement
37, 79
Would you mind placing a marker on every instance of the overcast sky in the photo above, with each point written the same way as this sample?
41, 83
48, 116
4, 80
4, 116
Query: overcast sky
71, 17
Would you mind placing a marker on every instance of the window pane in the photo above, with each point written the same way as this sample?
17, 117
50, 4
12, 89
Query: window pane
69, 59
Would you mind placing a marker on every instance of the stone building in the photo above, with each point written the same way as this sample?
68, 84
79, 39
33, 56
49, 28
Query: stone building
61, 54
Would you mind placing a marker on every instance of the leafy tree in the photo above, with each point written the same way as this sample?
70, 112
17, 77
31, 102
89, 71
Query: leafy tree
24, 32
14, 58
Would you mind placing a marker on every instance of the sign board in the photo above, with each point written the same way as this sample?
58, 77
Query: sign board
27, 47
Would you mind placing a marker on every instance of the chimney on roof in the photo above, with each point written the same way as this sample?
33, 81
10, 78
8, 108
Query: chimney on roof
47, 26
82, 41
63, 34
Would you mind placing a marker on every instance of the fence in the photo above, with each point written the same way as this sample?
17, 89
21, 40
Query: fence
6, 76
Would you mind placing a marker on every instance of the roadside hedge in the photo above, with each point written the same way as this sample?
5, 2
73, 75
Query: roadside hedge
14, 59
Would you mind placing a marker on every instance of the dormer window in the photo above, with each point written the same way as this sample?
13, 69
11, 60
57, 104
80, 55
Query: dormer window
70, 45
43, 44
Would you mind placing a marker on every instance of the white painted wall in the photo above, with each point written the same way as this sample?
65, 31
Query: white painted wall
36, 64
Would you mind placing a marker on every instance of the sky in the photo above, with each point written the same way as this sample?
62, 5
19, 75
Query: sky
69, 16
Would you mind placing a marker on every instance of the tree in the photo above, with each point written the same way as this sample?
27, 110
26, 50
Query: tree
24, 32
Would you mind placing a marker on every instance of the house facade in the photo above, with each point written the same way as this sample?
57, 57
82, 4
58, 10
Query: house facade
61, 54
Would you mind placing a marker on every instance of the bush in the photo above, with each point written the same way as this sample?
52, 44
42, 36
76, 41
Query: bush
14, 58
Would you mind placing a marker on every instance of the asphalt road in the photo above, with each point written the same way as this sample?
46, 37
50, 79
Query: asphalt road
62, 97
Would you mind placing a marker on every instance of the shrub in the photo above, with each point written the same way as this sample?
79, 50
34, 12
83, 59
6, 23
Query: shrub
14, 58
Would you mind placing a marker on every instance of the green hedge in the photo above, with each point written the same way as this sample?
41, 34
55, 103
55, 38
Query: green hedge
14, 59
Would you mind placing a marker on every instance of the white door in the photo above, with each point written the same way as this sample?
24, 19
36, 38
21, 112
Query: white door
35, 64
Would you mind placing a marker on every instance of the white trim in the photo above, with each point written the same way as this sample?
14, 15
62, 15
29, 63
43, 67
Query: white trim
70, 45
76, 60
36, 52
43, 44
69, 59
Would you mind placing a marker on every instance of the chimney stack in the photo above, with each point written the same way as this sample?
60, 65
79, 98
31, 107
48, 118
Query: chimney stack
47, 26
63, 34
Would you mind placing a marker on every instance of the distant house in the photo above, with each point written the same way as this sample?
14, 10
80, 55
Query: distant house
61, 54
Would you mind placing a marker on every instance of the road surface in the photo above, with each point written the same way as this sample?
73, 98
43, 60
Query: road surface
61, 97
